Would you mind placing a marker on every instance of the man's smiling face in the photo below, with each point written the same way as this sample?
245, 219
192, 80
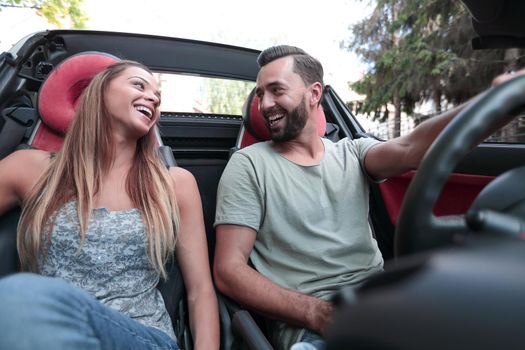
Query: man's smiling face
282, 100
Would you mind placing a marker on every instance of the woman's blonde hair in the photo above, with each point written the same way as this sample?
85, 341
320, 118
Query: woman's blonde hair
76, 172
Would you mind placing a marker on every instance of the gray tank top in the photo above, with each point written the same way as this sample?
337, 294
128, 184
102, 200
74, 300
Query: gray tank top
112, 264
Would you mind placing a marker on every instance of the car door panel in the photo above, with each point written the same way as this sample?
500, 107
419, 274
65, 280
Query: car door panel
456, 197
472, 174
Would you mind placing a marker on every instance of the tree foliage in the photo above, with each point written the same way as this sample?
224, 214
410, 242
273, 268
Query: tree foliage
420, 50
225, 96
56, 12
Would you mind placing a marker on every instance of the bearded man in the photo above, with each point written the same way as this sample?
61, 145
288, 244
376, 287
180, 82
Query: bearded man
297, 205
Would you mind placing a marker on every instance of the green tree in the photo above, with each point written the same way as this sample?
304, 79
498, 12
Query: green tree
420, 50
55, 11
227, 96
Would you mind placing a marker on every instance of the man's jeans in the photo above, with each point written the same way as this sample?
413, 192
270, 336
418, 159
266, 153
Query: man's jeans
39, 312
309, 341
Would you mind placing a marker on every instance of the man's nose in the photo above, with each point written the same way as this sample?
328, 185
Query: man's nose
266, 102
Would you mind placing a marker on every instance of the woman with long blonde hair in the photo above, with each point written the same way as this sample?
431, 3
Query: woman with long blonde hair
100, 219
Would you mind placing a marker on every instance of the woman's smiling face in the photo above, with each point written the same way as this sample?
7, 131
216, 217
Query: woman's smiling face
132, 99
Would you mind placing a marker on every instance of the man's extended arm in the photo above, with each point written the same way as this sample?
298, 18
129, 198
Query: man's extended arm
235, 278
405, 153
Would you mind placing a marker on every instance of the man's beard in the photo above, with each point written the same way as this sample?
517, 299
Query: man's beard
295, 122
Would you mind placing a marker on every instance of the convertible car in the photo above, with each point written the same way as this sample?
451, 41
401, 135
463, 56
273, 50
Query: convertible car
452, 234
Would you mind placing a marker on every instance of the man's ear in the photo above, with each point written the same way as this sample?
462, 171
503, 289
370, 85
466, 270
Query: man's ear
316, 92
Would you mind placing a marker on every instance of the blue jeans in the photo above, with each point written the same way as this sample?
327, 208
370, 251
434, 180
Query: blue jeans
38, 312
309, 341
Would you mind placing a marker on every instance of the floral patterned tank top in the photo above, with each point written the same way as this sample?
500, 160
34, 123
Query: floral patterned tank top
112, 263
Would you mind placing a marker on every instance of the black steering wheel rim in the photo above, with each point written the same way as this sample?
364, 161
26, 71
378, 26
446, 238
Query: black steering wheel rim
418, 228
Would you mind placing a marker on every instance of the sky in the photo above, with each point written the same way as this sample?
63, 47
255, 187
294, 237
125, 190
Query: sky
316, 28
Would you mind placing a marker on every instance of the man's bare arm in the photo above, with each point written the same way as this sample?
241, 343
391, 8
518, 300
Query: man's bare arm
405, 153
236, 279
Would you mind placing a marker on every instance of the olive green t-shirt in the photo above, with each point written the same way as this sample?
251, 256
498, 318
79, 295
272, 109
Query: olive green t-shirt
313, 234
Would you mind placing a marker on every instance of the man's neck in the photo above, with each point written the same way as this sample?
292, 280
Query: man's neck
303, 150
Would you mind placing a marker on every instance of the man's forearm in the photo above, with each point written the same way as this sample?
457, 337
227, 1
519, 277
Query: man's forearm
253, 290
424, 135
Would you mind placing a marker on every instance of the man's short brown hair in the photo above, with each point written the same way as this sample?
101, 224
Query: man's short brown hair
307, 67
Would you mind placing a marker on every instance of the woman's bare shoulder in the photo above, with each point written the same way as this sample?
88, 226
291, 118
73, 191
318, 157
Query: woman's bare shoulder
25, 166
185, 185
29, 158
181, 175
20, 171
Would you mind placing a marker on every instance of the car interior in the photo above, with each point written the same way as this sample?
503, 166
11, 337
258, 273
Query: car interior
427, 289
457, 279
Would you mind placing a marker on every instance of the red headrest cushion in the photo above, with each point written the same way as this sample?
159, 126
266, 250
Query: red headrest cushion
254, 121
58, 96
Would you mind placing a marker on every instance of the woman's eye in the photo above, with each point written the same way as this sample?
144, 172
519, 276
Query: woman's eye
139, 84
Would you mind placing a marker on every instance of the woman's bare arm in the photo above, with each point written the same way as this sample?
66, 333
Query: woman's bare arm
192, 255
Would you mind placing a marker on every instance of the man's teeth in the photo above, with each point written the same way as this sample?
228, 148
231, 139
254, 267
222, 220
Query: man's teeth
144, 110
275, 118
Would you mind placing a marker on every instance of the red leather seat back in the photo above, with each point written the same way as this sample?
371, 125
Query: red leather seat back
59, 96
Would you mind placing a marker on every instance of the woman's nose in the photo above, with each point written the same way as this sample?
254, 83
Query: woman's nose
151, 96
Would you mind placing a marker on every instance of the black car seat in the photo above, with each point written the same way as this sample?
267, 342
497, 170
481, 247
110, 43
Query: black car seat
57, 101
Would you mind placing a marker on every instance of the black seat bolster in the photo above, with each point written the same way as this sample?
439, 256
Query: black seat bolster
17, 122
166, 153
8, 254
174, 294
244, 325
332, 132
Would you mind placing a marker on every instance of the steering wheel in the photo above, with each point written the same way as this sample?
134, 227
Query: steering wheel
418, 228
